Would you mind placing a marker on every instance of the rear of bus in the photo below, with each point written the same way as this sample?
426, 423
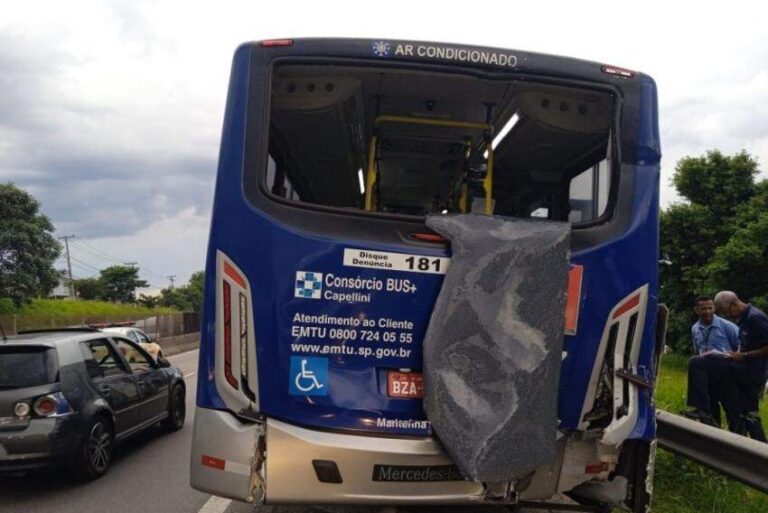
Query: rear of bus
321, 274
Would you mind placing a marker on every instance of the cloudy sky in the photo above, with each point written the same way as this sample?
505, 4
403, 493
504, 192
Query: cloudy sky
110, 112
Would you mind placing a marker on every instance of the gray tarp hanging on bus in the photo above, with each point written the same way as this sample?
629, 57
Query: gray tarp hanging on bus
493, 347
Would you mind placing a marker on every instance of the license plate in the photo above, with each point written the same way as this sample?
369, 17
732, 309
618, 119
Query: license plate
408, 385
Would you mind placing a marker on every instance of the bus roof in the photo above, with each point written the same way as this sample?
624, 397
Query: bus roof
469, 56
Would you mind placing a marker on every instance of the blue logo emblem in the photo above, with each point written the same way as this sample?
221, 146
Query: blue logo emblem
308, 285
381, 49
308, 376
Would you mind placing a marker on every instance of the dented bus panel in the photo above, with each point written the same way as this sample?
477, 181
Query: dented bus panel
322, 277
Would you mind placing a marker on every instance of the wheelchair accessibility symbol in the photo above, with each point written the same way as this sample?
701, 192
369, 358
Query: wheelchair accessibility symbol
308, 376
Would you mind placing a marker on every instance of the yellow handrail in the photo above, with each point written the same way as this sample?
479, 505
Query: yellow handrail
433, 122
488, 183
371, 175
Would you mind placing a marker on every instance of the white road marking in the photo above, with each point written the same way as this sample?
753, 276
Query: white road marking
215, 505
189, 374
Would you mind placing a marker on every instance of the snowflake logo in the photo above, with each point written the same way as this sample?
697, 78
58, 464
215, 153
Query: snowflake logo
380, 49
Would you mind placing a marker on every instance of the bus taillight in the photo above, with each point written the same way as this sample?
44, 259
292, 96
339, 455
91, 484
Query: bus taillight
236, 368
228, 336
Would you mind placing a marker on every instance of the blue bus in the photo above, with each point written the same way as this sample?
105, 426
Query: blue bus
322, 275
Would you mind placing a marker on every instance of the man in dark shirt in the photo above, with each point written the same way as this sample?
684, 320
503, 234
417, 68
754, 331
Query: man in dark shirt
750, 362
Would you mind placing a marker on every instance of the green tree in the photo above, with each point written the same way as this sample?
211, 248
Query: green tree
187, 298
195, 291
741, 264
89, 288
149, 301
719, 182
120, 282
711, 241
28, 248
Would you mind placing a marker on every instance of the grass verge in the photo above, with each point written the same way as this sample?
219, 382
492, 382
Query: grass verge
85, 308
682, 486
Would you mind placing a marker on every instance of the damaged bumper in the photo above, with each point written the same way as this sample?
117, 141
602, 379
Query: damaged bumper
275, 462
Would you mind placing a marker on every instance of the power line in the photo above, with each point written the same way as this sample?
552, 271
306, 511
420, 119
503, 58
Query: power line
104, 254
100, 253
95, 254
86, 264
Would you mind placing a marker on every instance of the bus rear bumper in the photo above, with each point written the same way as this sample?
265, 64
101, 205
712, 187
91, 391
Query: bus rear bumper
293, 453
306, 466
222, 453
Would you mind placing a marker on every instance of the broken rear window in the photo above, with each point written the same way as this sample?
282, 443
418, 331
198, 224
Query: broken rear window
420, 142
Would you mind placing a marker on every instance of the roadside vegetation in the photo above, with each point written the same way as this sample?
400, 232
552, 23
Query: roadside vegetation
60, 307
682, 486
716, 238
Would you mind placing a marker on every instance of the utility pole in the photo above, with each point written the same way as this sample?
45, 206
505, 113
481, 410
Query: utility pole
171, 279
69, 265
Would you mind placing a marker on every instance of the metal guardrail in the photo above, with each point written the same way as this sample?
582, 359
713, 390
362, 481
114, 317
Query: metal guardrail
741, 458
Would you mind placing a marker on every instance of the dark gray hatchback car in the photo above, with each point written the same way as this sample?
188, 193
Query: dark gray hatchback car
67, 396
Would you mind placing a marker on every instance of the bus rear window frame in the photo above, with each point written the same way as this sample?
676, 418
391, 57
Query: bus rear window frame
259, 168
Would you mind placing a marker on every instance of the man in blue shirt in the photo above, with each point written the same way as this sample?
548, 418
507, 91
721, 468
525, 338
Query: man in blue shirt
750, 363
709, 381
712, 334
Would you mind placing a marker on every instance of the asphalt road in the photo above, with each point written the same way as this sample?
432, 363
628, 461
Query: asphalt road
150, 474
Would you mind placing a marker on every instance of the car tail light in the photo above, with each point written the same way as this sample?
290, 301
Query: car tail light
21, 409
51, 405
45, 406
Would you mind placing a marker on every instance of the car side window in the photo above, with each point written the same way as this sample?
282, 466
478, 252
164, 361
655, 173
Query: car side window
142, 337
100, 359
134, 355
134, 335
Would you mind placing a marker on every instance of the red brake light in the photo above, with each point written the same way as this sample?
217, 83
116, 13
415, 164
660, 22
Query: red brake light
628, 305
428, 237
277, 42
230, 271
45, 406
228, 336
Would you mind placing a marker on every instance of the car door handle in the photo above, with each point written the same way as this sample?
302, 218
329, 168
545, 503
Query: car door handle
105, 391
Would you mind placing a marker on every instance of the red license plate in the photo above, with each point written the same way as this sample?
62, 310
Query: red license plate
405, 384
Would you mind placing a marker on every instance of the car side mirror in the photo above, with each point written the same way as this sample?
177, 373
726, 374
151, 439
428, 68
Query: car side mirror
162, 362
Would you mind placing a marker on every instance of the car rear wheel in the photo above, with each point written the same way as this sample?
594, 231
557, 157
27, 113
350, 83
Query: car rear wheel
177, 409
96, 453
